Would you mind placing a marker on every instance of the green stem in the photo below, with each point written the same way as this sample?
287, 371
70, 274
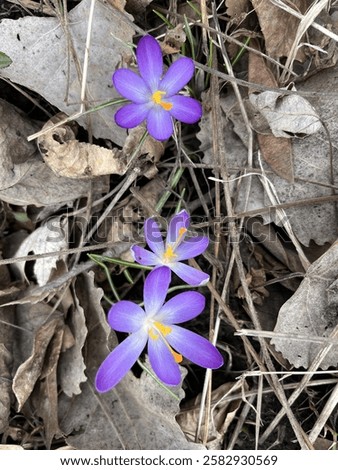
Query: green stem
121, 262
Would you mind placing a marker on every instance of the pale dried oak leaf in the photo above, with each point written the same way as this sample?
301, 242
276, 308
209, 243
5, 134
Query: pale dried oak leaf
311, 314
41, 52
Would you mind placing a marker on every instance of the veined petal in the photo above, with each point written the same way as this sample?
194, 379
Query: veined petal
181, 308
150, 61
195, 348
178, 227
177, 76
192, 276
155, 289
186, 109
144, 257
163, 362
131, 86
126, 316
119, 361
159, 123
153, 236
191, 247
131, 115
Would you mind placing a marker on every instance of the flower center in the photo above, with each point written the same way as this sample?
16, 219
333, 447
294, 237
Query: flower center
158, 330
157, 98
169, 254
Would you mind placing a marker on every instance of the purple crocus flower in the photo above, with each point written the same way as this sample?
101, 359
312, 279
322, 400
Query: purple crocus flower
174, 250
155, 99
156, 325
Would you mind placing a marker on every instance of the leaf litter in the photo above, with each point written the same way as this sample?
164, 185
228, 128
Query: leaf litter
87, 187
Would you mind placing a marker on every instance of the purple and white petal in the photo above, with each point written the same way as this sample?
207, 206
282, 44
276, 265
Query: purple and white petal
179, 221
186, 109
131, 86
131, 115
155, 289
195, 348
177, 76
181, 308
120, 361
192, 276
126, 316
144, 257
159, 123
150, 61
191, 247
163, 363
153, 236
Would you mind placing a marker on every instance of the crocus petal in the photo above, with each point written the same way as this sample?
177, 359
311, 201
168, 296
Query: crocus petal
192, 276
153, 236
181, 308
144, 257
131, 86
155, 289
159, 123
177, 222
126, 316
186, 109
177, 76
195, 348
191, 247
150, 61
163, 363
131, 115
119, 361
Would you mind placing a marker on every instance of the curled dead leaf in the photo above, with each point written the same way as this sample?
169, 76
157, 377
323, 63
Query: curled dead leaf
287, 115
68, 157
173, 40
310, 316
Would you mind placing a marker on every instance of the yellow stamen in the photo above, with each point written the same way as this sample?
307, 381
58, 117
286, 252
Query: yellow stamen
157, 98
158, 330
153, 334
169, 254
165, 330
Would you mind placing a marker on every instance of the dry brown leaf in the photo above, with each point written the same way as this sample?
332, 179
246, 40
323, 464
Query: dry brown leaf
37, 328
23, 171
16, 152
287, 115
223, 411
71, 365
137, 7
151, 148
45, 395
118, 4
311, 313
173, 40
68, 157
48, 238
237, 9
276, 151
35, 5
6, 352
279, 27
